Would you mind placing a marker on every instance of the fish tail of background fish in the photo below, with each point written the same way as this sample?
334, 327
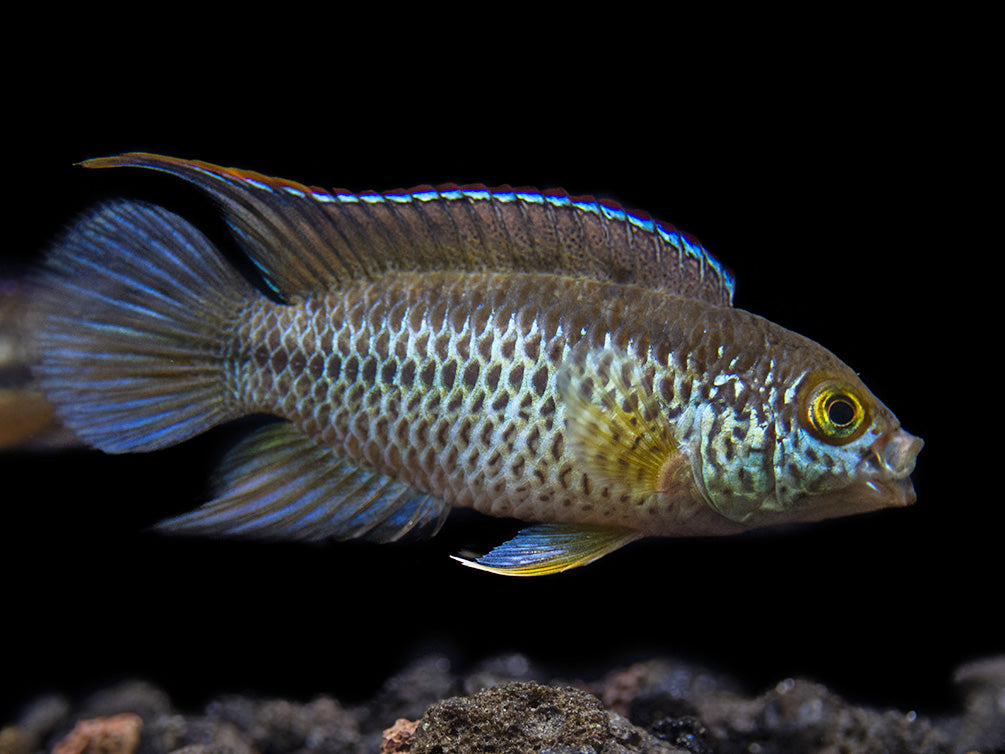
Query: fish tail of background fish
134, 308
27, 420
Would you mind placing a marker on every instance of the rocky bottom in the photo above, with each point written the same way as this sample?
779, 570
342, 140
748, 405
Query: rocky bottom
509, 706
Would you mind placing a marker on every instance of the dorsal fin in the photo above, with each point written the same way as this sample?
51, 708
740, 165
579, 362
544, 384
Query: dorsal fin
307, 240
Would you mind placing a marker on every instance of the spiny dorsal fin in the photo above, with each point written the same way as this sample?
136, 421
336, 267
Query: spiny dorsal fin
307, 240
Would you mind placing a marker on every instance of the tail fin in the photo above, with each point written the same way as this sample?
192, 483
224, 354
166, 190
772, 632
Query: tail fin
135, 307
25, 415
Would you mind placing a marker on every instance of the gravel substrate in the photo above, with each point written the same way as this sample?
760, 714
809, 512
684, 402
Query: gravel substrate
508, 705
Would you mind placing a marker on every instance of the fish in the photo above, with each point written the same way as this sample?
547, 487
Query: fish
27, 421
529, 354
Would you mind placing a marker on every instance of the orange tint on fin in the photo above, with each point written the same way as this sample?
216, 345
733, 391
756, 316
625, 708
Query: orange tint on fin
24, 414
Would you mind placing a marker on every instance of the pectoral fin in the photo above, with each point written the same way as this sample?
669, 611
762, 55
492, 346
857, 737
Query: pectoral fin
551, 548
618, 427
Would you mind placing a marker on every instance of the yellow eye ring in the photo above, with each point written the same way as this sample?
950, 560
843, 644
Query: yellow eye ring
833, 413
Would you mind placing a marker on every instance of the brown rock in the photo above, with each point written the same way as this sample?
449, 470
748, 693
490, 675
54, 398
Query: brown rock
517, 718
398, 738
119, 734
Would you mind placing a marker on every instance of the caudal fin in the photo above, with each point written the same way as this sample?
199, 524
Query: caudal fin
26, 418
134, 310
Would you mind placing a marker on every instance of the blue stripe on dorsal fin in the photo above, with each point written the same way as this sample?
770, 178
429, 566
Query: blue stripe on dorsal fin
280, 484
307, 240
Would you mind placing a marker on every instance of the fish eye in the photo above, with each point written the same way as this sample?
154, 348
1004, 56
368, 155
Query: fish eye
841, 412
833, 412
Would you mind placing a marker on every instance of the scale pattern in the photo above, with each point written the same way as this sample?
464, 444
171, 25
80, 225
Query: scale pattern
451, 382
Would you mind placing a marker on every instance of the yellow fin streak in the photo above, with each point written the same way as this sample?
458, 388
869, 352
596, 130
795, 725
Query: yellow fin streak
618, 429
550, 548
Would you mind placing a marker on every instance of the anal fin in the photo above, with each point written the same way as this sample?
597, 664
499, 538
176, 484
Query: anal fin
544, 549
279, 484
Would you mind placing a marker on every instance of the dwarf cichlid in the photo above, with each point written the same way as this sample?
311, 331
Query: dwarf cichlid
530, 354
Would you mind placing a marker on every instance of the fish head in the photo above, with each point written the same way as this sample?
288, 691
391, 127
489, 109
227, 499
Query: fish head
849, 453
787, 432
835, 450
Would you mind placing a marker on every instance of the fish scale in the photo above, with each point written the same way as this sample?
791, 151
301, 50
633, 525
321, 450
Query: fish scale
529, 354
463, 401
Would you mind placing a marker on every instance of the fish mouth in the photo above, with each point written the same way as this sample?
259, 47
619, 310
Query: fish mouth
882, 480
884, 476
888, 467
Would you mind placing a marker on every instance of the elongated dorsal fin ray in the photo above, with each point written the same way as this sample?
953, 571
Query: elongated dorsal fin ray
278, 484
307, 240
545, 549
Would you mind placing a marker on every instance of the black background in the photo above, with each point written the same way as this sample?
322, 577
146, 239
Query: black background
835, 194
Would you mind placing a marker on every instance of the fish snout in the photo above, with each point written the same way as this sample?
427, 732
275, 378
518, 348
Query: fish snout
896, 453
892, 459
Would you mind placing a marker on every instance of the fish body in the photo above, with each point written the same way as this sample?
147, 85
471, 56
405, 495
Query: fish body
526, 354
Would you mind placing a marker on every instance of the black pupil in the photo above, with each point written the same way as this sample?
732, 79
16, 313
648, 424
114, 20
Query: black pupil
841, 412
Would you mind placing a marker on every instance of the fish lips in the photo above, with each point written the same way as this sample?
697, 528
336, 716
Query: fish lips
889, 465
882, 480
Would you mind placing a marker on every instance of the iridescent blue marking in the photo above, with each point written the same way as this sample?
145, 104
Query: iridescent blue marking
692, 250
265, 274
671, 238
646, 224
210, 173
613, 213
720, 271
